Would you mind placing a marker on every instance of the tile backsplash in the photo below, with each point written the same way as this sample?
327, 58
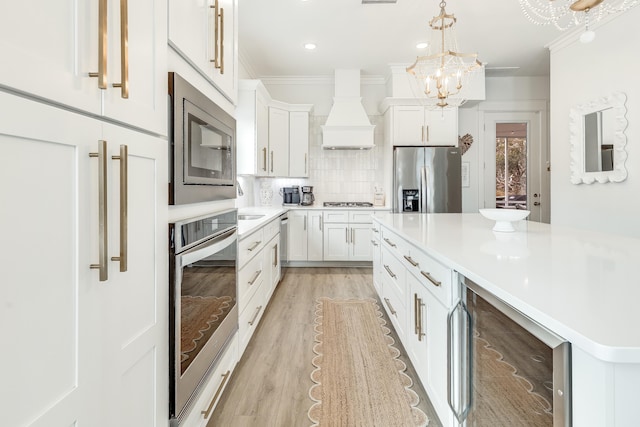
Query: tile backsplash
336, 175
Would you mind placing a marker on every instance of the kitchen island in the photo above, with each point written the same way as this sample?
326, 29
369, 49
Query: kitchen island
578, 284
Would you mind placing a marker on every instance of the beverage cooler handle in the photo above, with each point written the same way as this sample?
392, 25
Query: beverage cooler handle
463, 387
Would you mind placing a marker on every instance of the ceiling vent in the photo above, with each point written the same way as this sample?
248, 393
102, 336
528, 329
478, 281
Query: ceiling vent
348, 126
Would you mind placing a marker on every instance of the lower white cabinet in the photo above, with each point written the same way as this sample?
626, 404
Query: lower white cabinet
272, 263
216, 383
90, 345
347, 236
305, 235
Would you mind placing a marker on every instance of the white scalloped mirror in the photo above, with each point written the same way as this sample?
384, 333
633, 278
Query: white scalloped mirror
598, 140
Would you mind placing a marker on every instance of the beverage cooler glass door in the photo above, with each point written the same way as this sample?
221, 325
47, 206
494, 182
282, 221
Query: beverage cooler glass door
504, 368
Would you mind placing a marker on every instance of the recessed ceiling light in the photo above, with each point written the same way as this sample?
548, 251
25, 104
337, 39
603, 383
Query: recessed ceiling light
422, 45
309, 46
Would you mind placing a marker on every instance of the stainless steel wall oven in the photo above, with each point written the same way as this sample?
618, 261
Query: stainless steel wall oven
203, 308
202, 147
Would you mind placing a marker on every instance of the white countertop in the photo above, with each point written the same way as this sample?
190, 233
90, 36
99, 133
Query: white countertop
248, 226
580, 284
339, 208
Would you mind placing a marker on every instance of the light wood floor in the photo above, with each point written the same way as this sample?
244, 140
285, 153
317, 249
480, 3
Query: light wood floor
270, 385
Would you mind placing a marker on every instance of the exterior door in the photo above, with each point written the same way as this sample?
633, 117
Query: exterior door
537, 183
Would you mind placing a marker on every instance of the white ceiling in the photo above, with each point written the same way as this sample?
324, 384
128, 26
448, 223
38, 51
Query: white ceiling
350, 34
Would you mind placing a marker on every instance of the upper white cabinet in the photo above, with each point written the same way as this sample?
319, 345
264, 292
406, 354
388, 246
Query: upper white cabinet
418, 125
205, 34
66, 43
273, 136
278, 156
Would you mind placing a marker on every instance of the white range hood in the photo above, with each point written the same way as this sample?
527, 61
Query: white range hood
347, 126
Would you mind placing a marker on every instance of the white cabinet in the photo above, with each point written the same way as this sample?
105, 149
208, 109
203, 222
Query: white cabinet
278, 156
347, 236
101, 355
252, 128
418, 125
305, 235
52, 57
272, 263
205, 34
376, 254
299, 144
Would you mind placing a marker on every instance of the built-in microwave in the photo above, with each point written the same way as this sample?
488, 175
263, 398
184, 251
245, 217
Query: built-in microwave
202, 147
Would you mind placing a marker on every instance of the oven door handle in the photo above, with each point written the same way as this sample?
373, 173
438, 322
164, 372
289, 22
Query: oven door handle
209, 247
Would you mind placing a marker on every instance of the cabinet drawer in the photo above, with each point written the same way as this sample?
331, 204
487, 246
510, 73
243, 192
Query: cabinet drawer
360, 217
375, 231
396, 244
394, 273
211, 393
394, 306
336, 216
250, 278
250, 246
250, 317
271, 229
431, 274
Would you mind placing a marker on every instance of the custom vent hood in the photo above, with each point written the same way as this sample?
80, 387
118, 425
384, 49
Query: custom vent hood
347, 127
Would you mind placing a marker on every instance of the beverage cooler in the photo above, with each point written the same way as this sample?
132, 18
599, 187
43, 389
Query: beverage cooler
504, 369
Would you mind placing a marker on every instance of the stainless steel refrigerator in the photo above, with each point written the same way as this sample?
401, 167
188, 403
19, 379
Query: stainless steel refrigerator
427, 179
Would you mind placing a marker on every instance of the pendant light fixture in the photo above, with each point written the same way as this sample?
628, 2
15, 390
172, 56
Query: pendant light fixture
441, 75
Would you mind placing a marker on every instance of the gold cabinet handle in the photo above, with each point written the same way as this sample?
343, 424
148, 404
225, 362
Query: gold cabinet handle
124, 206
373, 242
422, 134
411, 261
321, 222
305, 163
264, 159
124, 50
272, 161
346, 234
275, 255
255, 316
427, 134
415, 315
375, 230
353, 237
207, 412
390, 243
102, 45
216, 14
255, 277
255, 245
419, 305
430, 278
221, 62
390, 307
103, 249
386, 267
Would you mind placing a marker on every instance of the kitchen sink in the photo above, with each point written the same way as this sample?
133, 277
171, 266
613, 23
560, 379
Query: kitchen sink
249, 217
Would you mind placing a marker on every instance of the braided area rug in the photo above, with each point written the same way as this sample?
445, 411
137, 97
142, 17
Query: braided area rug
359, 380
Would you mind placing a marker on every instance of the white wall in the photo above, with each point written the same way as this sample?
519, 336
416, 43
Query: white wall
580, 73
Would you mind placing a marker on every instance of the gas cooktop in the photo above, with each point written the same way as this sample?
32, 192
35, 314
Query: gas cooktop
347, 204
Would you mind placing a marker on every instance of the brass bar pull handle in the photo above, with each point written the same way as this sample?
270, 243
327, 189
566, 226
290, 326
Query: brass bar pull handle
124, 50
375, 230
252, 321
124, 206
411, 261
102, 45
422, 134
386, 267
346, 234
305, 163
373, 242
305, 223
431, 278
420, 304
353, 237
216, 14
427, 133
207, 412
321, 222
103, 249
255, 245
255, 277
390, 307
390, 243
271, 161
264, 159
415, 315
275, 255
221, 41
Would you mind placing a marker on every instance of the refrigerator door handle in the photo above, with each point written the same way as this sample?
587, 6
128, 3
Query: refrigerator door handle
423, 190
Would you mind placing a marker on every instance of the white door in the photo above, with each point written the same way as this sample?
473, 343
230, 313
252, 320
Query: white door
297, 236
526, 125
262, 136
336, 242
299, 144
135, 320
442, 126
409, 125
278, 156
49, 296
315, 236
361, 249
141, 68
49, 48
225, 77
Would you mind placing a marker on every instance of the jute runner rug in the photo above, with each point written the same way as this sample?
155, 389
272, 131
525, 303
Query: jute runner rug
359, 380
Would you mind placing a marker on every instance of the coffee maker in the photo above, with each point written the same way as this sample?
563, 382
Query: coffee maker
290, 195
307, 195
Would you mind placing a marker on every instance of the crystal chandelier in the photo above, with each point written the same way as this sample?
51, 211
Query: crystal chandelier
442, 74
564, 14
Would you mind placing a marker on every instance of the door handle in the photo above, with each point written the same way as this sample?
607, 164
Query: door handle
430, 278
386, 267
255, 277
264, 159
411, 261
390, 307
103, 237
271, 161
353, 236
124, 206
101, 74
124, 50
